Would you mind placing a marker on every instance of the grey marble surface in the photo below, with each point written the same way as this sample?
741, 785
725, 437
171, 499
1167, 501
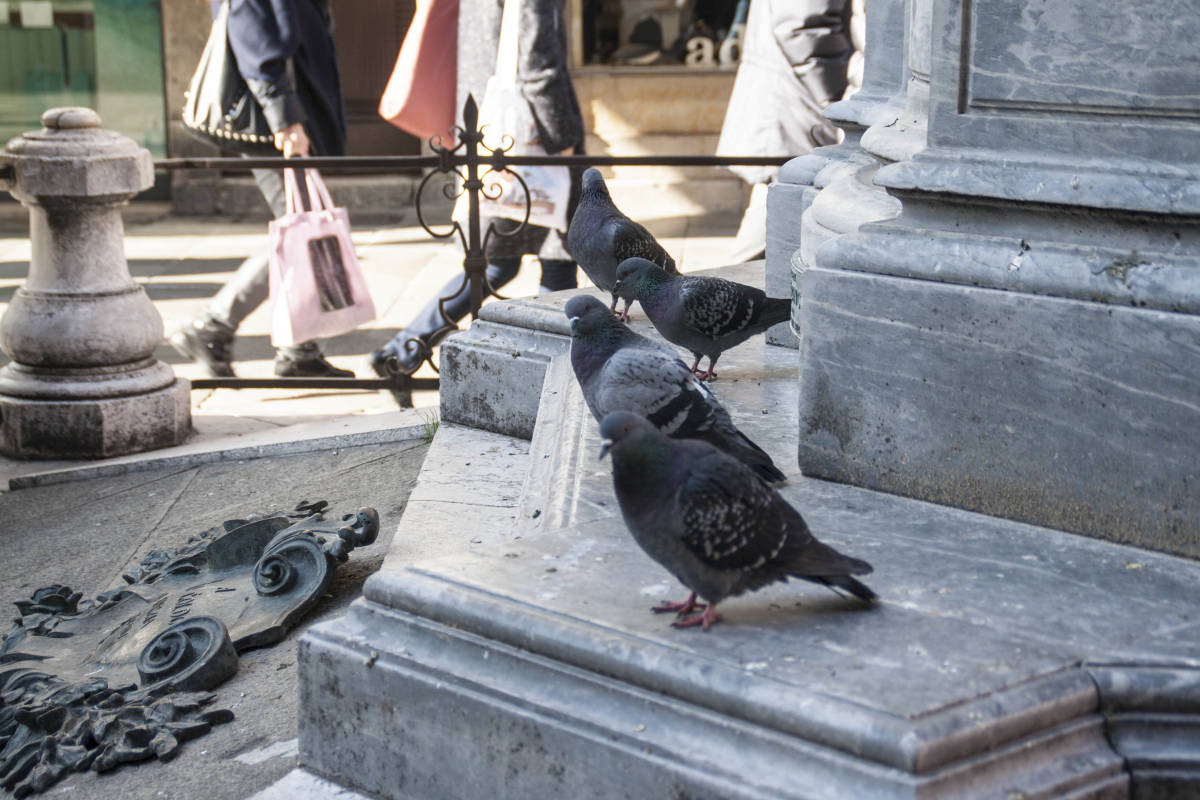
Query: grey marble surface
1071, 414
515, 609
1029, 600
982, 622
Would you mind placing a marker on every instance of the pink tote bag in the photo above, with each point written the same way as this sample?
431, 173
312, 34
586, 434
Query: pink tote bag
419, 97
317, 287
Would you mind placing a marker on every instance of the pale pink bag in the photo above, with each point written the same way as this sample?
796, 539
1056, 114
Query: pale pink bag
317, 287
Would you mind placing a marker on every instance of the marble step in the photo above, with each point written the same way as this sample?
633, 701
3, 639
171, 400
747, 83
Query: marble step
506, 648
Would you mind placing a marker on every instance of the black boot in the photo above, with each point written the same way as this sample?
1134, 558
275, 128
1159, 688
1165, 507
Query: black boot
379, 365
309, 364
209, 343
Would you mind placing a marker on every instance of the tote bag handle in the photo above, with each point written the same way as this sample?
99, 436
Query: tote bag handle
318, 195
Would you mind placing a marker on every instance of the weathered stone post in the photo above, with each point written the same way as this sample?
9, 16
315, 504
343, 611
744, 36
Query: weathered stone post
83, 382
1024, 339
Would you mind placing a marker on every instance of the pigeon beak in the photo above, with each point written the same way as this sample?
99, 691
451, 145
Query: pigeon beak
574, 323
605, 445
616, 288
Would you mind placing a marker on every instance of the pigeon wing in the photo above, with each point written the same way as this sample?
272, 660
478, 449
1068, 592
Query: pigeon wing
717, 308
657, 385
630, 239
731, 520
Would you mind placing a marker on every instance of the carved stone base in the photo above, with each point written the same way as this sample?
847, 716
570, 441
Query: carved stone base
96, 428
1075, 415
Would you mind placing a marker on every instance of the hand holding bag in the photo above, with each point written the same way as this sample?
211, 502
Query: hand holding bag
218, 106
419, 97
317, 287
505, 117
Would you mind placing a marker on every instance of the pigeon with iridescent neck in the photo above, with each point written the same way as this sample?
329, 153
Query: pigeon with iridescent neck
620, 370
706, 315
712, 523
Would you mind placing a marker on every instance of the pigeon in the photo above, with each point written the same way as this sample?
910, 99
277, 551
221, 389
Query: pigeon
708, 519
706, 315
620, 370
600, 237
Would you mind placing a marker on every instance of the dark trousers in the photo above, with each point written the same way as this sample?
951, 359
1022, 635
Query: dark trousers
557, 274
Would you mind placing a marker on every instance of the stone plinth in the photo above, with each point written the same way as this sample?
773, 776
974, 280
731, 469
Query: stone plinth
1022, 339
514, 655
83, 382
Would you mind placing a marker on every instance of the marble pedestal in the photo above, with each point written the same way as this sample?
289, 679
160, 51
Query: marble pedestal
101, 427
1022, 339
506, 648
83, 381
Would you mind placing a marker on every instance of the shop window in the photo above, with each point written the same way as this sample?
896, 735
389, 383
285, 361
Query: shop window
699, 34
103, 54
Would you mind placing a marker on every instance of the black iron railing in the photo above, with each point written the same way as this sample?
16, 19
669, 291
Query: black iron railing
471, 161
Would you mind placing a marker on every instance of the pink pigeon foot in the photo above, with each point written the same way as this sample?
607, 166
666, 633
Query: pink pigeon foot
686, 607
709, 617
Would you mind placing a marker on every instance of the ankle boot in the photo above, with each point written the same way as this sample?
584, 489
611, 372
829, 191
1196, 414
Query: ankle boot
307, 365
209, 343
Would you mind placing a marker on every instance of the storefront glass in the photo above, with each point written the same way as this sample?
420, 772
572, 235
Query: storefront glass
103, 54
702, 34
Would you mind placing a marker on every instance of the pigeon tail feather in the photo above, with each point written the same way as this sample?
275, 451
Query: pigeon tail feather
778, 309
846, 583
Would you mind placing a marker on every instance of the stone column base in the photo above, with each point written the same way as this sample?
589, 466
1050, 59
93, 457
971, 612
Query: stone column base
96, 428
1062, 412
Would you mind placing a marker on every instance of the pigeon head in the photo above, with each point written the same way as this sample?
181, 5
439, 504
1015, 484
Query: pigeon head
620, 426
593, 182
588, 315
635, 273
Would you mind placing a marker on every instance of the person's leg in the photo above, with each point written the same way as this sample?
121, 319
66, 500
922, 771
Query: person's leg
249, 286
209, 338
558, 274
430, 321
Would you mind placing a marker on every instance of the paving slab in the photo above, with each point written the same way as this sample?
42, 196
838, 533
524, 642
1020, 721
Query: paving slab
85, 533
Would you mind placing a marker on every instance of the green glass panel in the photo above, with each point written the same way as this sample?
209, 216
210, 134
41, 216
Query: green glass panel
129, 70
103, 54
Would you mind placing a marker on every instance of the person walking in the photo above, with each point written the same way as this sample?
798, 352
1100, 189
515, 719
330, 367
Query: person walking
545, 83
285, 52
794, 63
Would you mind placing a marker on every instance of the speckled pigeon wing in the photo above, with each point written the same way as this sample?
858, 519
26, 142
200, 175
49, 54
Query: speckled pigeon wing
716, 307
731, 520
630, 239
657, 385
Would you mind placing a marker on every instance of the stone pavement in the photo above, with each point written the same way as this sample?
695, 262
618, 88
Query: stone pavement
252, 451
183, 261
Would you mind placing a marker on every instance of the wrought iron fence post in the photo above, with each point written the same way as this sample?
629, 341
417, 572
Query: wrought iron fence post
475, 261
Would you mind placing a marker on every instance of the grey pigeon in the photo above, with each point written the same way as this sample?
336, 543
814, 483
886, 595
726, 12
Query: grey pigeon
706, 315
600, 237
710, 521
620, 370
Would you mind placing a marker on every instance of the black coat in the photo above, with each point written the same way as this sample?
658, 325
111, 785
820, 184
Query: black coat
284, 50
